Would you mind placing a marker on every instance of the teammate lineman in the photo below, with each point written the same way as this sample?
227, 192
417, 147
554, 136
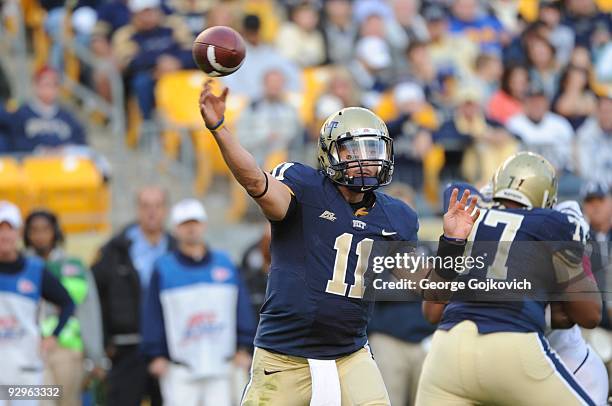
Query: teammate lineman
311, 341
496, 352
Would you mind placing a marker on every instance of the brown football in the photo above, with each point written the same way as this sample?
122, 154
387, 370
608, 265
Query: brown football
219, 51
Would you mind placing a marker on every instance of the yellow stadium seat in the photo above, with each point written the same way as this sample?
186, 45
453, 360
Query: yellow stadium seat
177, 96
604, 5
266, 10
71, 187
315, 82
386, 108
427, 118
528, 9
432, 165
12, 184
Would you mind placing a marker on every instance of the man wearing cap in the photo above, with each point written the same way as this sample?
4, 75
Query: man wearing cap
595, 142
24, 281
198, 316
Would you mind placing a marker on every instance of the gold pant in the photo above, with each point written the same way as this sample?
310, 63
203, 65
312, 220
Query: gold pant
286, 380
464, 367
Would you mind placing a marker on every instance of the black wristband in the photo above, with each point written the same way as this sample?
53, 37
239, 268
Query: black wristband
217, 125
446, 249
265, 189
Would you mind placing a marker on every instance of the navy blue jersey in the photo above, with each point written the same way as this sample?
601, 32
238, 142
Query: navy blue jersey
531, 238
314, 306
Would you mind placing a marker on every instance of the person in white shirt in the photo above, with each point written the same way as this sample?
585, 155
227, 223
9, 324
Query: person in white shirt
543, 131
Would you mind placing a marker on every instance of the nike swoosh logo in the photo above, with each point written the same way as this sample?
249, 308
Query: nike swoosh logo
388, 233
271, 372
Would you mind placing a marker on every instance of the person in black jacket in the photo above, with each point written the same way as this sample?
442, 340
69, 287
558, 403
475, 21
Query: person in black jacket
122, 272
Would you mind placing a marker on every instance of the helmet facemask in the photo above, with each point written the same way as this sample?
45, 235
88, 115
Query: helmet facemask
361, 160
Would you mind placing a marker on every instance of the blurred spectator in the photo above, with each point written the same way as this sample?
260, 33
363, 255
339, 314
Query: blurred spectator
339, 31
399, 347
373, 25
451, 54
421, 70
192, 13
594, 143
488, 71
581, 58
515, 53
371, 69
24, 281
42, 122
122, 271
151, 45
543, 131
269, 125
508, 100
411, 136
260, 58
473, 144
575, 100
299, 40
198, 316
597, 205
112, 15
584, 18
82, 22
543, 67
407, 26
254, 268
470, 20
561, 36
80, 342
221, 13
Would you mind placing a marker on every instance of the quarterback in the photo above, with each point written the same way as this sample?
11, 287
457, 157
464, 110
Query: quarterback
476, 341
311, 343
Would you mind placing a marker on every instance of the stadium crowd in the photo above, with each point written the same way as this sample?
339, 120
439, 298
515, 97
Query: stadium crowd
461, 85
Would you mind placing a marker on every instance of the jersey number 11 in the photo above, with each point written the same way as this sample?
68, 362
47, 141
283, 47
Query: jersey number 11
336, 285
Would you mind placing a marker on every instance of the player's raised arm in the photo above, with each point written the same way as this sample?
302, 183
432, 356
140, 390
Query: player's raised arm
457, 224
270, 194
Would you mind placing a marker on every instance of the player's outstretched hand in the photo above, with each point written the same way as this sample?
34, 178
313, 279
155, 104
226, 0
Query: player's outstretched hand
212, 107
460, 218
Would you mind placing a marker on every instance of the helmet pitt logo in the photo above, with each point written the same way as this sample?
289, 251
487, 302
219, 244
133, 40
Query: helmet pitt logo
329, 127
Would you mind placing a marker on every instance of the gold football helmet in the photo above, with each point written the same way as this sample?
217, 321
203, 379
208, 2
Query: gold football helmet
528, 179
355, 137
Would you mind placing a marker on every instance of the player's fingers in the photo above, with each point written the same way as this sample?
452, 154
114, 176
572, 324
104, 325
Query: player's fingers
224, 93
464, 199
453, 199
472, 205
476, 215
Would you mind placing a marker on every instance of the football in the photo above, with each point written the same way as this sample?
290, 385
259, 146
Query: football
219, 51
